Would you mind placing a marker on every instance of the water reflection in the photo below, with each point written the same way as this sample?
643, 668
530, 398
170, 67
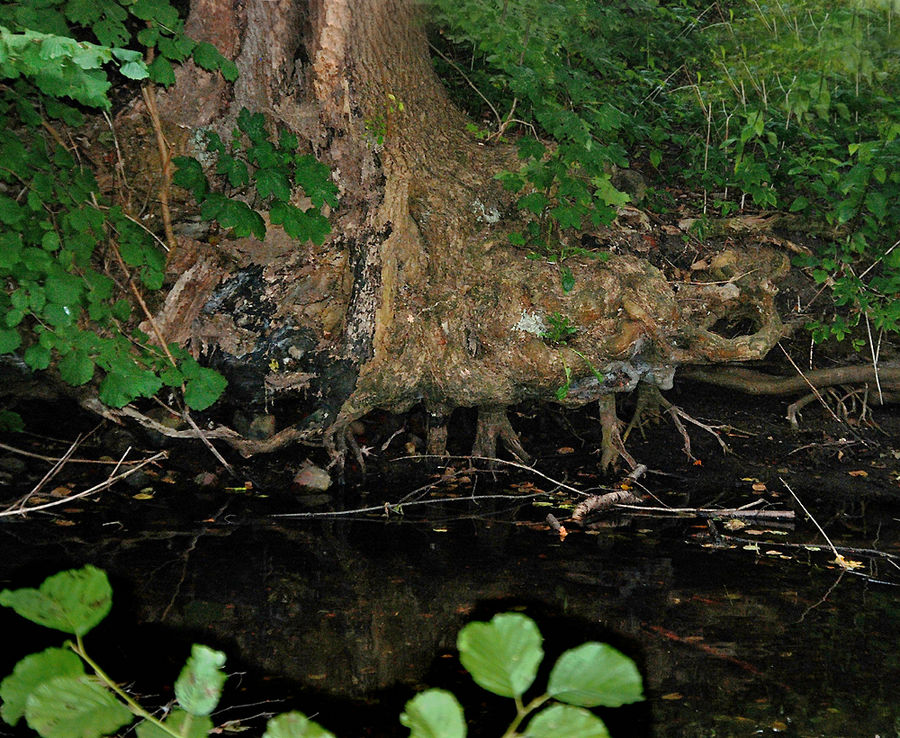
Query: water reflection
356, 615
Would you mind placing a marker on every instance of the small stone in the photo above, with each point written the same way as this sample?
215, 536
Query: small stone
312, 478
262, 426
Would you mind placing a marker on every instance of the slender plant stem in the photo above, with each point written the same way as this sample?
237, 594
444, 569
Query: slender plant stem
523, 711
136, 708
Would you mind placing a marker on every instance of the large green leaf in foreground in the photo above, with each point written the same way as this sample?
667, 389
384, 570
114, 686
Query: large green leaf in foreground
595, 674
72, 601
503, 655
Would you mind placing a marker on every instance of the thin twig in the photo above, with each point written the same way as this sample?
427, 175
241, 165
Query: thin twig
811, 385
96, 488
387, 508
31, 455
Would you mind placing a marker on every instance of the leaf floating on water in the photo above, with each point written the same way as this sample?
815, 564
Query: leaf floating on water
758, 487
858, 473
565, 450
735, 524
848, 564
673, 696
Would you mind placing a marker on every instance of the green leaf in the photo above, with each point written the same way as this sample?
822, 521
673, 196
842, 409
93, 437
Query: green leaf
272, 183
121, 310
76, 368
203, 389
161, 71
64, 288
564, 720
503, 655
534, 202
75, 706
11, 213
253, 124
10, 340
566, 279
189, 174
72, 601
516, 239
37, 357
209, 58
530, 148
10, 422
29, 674
876, 202
315, 179
435, 713
159, 11
126, 382
235, 169
199, 685
304, 226
295, 725
595, 674
800, 203
183, 723
567, 216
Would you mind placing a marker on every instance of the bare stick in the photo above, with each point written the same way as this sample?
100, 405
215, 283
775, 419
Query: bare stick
96, 488
30, 455
811, 385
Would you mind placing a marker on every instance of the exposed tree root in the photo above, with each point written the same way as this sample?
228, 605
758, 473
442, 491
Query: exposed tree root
756, 383
650, 400
611, 444
493, 424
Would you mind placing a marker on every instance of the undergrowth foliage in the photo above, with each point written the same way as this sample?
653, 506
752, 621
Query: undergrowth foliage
59, 698
70, 258
788, 106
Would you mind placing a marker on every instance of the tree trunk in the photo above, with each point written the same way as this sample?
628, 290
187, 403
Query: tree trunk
417, 296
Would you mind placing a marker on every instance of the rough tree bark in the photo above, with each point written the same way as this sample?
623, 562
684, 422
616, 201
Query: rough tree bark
417, 298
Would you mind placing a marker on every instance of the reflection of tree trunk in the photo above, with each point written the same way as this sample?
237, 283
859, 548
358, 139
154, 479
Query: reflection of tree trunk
418, 298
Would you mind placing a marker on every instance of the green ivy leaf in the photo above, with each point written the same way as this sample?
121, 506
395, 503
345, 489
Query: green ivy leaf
567, 216
126, 382
315, 179
10, 340
272, 183
75, 706
159, 11
568, 721
10, 422
204, 388
534, 202
503, 655
199, 686
253, 124
595, 674
29, 674
295, 725
37, 357
72, 601
161, 71
435, 713
235, 169
189, 174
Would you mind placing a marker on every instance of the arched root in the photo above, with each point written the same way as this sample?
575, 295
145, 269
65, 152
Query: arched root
611, 444
650, 396
493, 424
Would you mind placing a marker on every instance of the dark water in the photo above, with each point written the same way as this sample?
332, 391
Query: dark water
345, 620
